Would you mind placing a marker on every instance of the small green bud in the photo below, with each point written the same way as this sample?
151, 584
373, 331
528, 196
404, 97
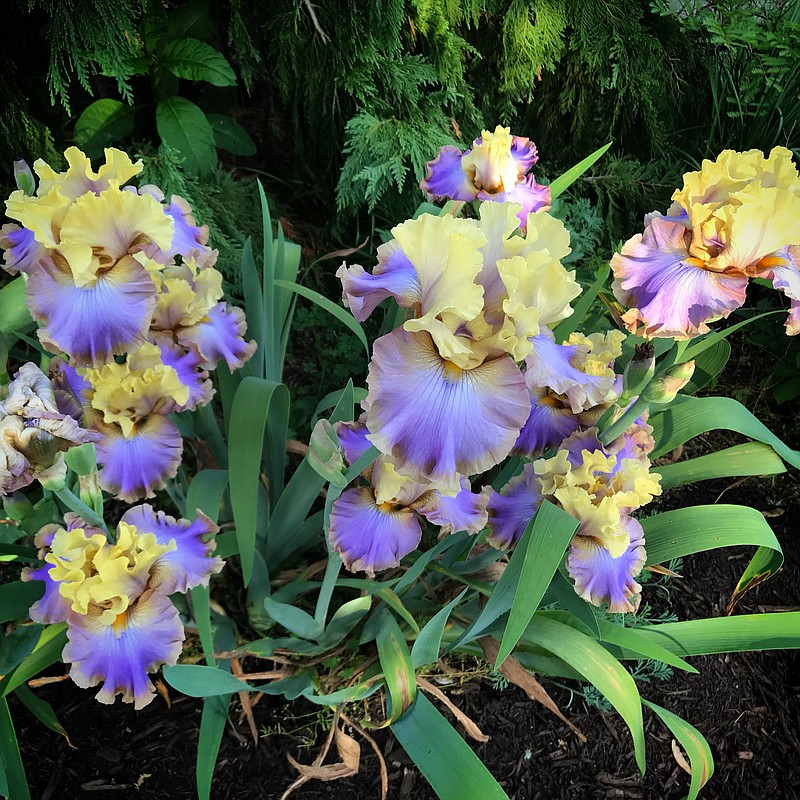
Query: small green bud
325, 454
24, 177
664, 387
82, 460
639, 371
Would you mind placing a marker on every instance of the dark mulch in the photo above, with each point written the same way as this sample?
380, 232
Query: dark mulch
747, 705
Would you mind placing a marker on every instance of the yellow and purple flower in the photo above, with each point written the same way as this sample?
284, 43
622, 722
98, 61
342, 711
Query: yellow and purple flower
495, 168
446, 396
114, 596
737, 218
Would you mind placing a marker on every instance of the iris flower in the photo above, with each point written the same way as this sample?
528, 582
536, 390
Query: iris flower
495, 168
114, 596
374, 525
736, 218
446, 396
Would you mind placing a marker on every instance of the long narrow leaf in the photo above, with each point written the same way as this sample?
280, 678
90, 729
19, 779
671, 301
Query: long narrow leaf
571, 323
212, 726
51, 643
566, 180
398, 671
254, 308
427, 644
448, 763
10, 759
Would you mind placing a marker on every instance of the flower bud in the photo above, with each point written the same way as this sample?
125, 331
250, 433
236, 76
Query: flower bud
24, 177
664, 387
639, 371
325, 454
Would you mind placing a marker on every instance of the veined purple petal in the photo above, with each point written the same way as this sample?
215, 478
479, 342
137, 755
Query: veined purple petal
435, 419
189, 241
69, 388
92, 323
221, 336
51, 607
192, 562
147, 636
524, 153
22, 251
371, 537
600, 579
394, 276
511, 509
134, 468
446, 177
784, 272
464, 512
530, 195
667, 291
353, 439
549, 422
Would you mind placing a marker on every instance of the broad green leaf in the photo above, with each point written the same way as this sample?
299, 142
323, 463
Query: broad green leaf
684, 531
293, 619
688, 417
632, 640
396, 604
254, 308
563, 591
351, 694
707, 366
598, 666
193, 18
562, 183
735, 634
455, 541
103, 123
332, 398
257, 402
16, 646
197, 680
751, 458
427, 644
398, 671
196, 61
448, 763
14, 314
344, 620
13, 772
41, 709
541, 549
184, 126
338, 312
17, 597
19, 551
212, 726
231, 136
702, 343
695, 745
572, 322
205, 493
48, 650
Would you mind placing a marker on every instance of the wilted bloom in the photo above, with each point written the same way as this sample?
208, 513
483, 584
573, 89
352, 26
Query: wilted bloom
736, 218
372, 527
114, 596
33, 433
445, 394
495, 168
600, 487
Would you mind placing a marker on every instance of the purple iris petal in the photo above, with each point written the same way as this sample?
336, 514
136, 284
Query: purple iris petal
142, 639
548, 423
189, 239
187, 363
51, 607
447, 178
69, 388
221, 335
134, 468
524, 153
512, 508
92, 323
668, 293
530, 195
22, 251
599, 578
353, 439
435, 419
191, 563
371, 537
784, 273
464, 512
394, 276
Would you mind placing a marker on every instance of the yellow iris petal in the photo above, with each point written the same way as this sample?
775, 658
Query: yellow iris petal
490, 164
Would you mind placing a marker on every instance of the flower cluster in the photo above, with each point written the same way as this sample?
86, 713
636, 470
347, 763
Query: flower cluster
123, 283
114, 596
735, 219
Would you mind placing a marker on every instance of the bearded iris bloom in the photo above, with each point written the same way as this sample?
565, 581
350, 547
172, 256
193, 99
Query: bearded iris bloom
495, 168
446, 396
735, 219
114, 596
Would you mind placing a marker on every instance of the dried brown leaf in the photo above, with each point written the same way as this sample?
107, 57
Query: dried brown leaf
680, 758
469, 726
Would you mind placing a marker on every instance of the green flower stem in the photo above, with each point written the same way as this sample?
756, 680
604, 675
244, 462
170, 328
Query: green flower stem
74, 503
638, 407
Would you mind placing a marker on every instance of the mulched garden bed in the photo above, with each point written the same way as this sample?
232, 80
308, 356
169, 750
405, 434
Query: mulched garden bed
747, 705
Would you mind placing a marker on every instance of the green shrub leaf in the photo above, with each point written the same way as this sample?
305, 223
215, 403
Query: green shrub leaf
184, 126
197, 61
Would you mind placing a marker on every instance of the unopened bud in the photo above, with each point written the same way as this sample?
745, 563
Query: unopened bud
17, 506
82, 460
325, 454
664, 387
639, 371
24, 177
